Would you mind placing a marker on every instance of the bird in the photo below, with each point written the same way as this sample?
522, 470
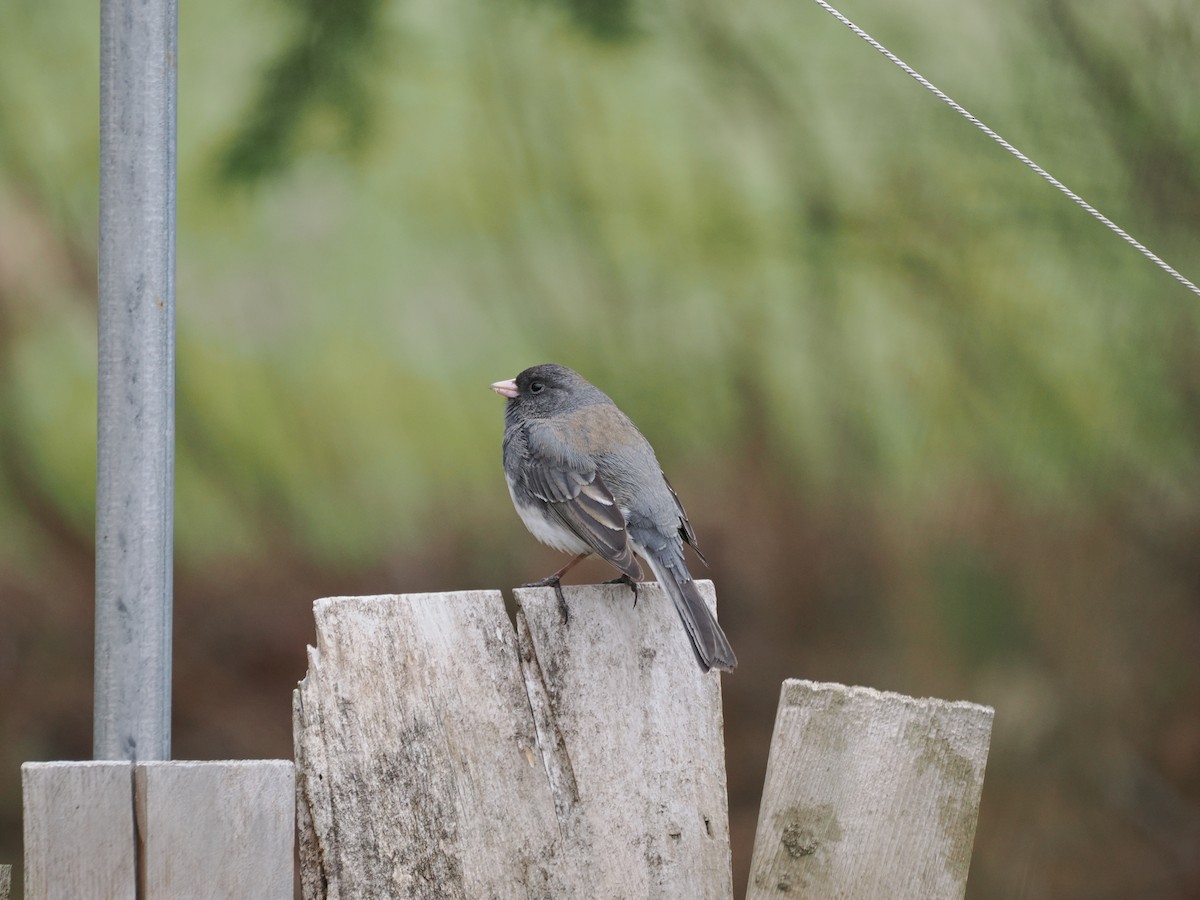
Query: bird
585, 480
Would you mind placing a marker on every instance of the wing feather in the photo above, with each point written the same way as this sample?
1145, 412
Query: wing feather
583, 503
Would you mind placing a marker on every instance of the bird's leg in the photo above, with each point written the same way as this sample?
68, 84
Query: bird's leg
625, 579
555, 581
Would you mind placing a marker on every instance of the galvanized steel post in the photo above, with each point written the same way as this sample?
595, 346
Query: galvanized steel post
136, 388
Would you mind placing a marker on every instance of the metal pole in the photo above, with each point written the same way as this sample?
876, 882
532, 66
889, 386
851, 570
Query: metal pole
136, 388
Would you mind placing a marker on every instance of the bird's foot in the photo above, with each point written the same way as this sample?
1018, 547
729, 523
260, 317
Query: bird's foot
554, 581
625, 579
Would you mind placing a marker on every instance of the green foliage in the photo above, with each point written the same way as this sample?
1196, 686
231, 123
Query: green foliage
325, 69
744, 224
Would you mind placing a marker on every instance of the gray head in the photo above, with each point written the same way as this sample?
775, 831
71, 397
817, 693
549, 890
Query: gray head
541, 391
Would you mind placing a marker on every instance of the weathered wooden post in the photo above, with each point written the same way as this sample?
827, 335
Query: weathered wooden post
441, 756
167, 830
80, 839
869, 795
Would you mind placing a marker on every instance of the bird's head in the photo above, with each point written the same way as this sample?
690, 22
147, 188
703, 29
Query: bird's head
541, 391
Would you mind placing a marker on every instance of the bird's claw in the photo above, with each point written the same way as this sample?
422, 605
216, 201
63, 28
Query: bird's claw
554, 581
633, 585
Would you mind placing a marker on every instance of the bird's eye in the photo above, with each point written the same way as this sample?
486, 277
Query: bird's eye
536, 387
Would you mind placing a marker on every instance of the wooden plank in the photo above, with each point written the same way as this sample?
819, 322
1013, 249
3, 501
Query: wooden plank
418, 771
79, 830
869, 795
630, 726
216, 829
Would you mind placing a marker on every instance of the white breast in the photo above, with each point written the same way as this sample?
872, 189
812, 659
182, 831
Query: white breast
547, 529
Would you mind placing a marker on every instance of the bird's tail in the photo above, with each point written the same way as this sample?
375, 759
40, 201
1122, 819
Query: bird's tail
708, 640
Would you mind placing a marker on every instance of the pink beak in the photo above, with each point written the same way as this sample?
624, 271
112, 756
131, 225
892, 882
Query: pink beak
506, 388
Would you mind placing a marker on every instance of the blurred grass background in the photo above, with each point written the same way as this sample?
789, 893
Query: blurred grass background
938, 431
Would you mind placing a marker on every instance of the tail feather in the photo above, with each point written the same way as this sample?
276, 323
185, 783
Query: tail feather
708, 640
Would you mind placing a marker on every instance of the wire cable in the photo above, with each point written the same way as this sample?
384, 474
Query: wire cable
949, 101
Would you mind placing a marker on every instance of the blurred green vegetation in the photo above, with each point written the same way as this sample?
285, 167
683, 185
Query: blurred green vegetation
938, 430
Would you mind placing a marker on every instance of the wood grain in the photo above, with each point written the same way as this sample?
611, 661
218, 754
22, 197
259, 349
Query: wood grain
158, 830
79, 831
630, 727
869, 795
419, 771
434, 761
212, 830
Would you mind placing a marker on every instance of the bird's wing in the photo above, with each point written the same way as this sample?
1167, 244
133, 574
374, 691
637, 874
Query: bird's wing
685, 527
582, 501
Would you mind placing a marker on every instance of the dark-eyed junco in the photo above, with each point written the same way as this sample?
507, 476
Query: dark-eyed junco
584, 480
